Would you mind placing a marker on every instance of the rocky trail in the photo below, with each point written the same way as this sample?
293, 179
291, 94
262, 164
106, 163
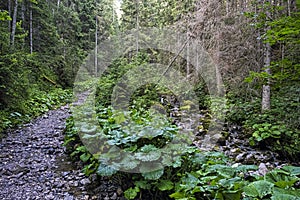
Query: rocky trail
34, 165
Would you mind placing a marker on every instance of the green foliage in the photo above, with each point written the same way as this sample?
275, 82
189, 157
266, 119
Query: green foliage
38, 103
42, 101
283, 35
154, 13
240, 111
77, 150
179, 171
104, 170
26, 76
276, 129
4, 16
259, 189
285, 29
265, 130
62, 36
131, 193
71, 135
212, 178
139, 139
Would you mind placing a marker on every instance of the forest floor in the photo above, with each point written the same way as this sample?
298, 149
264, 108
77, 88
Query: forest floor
34, 165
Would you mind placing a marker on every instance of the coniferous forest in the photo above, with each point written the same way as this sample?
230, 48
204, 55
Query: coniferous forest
150, 99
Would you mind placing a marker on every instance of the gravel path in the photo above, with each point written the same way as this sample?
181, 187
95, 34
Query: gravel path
33, 164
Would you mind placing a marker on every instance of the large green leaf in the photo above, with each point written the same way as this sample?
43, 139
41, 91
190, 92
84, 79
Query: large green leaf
231, 183
153, 175
148, 157
165, 185
131, 193
176, 161
245, 168
177, 195
259, 189
190, 181
281, 178
284, 194
232, 195
167, 160
143, 184
278, 196
292, 170
222, 170
129, 162
148, 153
104, 170
85, 157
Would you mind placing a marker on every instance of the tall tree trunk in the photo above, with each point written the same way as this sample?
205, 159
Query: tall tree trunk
187, 53
289, 7
217, 64
23, 10
137, 26
14, 24
96, 47
9, 13
30, 29
266, 90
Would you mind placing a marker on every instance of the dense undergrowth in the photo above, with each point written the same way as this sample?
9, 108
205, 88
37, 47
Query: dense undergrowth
277, 129
38, 103
190, 174
141, 140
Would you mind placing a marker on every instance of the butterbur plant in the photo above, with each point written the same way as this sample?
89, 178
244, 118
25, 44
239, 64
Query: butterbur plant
267, 130
166, 168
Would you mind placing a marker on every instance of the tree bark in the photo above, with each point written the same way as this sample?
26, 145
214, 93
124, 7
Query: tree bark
23, 10
96, 47
30, 30
289, 7
9, 13
14, 24
266, 90
137, 27
187, 54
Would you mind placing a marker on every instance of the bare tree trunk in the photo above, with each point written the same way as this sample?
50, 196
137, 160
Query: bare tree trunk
137, 26
217, 64
9, 13
14, 24
96, 47
266, 91
289, 7
23, 10
187, 54
30, 30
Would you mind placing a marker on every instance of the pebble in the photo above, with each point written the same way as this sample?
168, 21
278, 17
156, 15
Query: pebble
85, 181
